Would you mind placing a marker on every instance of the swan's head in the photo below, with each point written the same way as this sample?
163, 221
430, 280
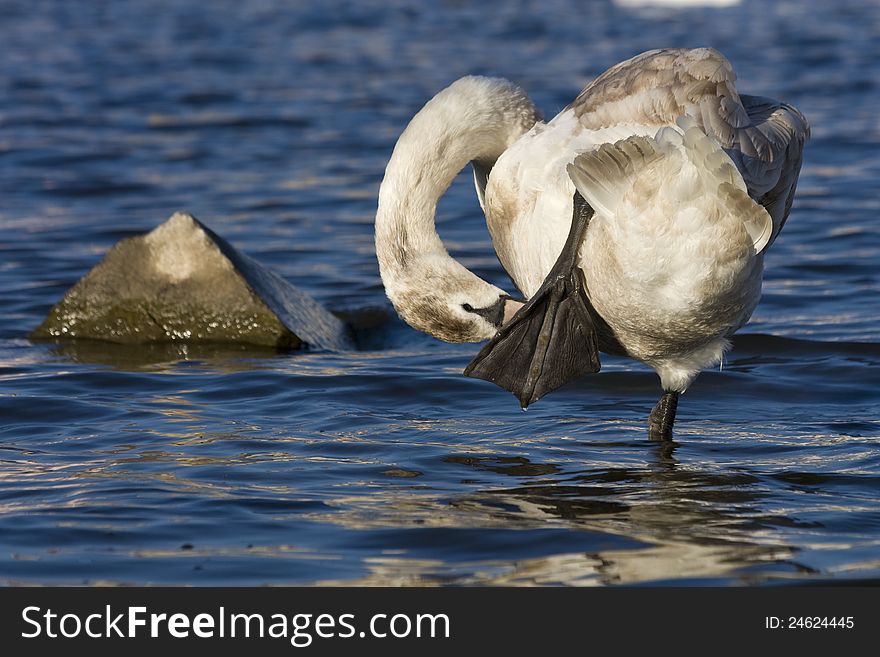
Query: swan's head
442, 298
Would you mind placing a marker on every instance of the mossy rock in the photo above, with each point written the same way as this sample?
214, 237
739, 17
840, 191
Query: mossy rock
182, 282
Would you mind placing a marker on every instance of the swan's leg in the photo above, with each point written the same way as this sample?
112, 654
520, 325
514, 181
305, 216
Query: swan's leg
551, 339
663, 417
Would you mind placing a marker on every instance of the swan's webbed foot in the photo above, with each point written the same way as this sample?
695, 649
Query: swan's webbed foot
551, 339
663, 417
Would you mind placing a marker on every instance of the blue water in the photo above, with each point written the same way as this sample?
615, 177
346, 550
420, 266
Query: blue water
272, 122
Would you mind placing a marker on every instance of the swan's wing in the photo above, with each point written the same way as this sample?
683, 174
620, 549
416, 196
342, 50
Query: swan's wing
606, 175
658, 86
763, 137
603, 176
768, 154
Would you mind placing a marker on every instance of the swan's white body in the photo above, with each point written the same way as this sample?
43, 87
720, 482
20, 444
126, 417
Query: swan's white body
689, 182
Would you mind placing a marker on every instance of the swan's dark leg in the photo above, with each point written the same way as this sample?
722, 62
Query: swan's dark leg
552, 339
663, 417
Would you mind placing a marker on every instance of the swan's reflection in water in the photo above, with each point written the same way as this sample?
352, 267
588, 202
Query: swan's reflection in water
636, 526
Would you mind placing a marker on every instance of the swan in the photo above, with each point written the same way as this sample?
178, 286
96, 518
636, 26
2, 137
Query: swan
635, 222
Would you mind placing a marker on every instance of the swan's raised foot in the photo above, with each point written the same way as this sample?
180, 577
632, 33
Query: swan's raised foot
663, 417
551, 340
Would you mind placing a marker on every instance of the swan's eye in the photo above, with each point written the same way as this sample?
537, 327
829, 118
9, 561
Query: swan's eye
494, 314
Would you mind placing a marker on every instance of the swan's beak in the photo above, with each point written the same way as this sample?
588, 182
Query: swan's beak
551, 339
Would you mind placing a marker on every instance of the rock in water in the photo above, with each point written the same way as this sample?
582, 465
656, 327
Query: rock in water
182, 282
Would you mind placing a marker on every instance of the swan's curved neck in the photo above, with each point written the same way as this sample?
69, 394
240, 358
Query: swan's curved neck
474, 119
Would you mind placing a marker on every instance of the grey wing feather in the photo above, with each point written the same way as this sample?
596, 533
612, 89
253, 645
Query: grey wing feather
779, 130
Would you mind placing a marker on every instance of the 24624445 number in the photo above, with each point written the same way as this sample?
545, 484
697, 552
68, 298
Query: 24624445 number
809, 622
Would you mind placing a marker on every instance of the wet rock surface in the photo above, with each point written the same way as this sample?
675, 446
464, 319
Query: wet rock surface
182, 282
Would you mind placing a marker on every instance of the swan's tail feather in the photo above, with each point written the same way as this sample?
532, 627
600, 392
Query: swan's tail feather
603, 176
